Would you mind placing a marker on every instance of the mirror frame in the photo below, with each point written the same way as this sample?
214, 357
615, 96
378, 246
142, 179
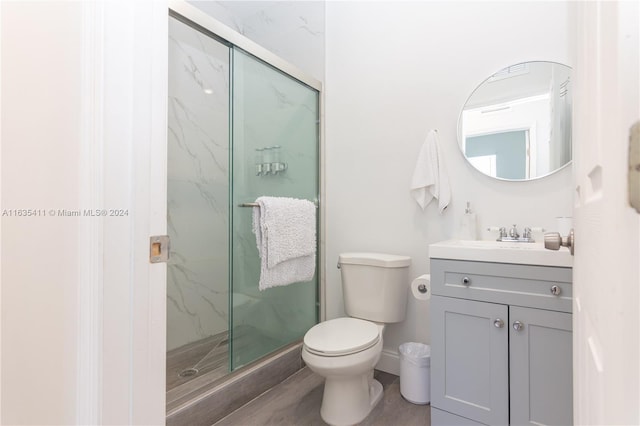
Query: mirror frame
459, 129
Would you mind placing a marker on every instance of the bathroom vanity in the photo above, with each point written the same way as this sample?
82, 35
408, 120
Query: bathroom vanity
501, 337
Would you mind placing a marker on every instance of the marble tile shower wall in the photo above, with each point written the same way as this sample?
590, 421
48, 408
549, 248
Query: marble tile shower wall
293, 30
198, 169
271, 109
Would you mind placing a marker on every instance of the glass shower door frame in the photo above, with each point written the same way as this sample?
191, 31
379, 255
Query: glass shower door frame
275, 152
208, 25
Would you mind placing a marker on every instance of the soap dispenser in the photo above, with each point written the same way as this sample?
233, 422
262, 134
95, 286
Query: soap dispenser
468, 227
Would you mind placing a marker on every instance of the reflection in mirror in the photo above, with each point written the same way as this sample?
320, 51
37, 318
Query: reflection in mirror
517, 124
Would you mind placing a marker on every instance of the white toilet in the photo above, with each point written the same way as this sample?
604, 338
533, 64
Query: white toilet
345, 350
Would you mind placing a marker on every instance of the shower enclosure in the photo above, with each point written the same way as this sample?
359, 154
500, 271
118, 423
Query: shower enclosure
239, 127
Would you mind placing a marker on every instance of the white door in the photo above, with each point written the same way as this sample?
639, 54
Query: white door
84, 124
121, 366
606, 269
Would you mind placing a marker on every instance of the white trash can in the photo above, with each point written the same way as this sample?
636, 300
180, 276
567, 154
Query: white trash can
415, 372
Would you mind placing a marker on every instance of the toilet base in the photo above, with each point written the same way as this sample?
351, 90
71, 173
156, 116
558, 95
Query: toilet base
347, 402
376, 393
350, 392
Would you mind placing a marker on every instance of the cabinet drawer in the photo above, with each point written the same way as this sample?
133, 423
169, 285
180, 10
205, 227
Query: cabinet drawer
520, 285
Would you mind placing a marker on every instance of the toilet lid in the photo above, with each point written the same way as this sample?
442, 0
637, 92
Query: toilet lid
341, 336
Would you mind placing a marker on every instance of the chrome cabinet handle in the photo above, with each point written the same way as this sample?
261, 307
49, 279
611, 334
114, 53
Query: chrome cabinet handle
466, 281
517, 325
555, 290
498, 323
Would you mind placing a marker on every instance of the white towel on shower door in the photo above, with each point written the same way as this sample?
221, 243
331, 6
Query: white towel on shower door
430, 179
285, 230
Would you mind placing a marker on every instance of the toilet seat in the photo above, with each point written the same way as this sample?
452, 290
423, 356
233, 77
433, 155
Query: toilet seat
341, 336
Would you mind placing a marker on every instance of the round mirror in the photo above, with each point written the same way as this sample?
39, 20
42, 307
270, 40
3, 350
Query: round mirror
517, 124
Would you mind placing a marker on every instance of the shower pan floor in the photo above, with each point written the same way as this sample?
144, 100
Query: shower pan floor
209, 355
200, 365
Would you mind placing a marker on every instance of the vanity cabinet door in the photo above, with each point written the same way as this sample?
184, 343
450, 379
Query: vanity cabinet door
540, 367
469, 359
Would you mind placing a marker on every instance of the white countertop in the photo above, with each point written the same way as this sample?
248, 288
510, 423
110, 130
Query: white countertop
501, 252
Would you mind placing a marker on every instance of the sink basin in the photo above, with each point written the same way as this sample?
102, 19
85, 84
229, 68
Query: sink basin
501, 252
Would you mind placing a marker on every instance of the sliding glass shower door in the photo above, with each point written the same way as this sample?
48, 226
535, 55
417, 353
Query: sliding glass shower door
238, 129
275, 142
197, 207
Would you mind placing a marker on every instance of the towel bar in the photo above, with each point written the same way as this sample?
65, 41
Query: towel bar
256, 204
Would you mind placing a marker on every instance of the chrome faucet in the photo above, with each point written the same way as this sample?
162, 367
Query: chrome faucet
513, 233
502, 233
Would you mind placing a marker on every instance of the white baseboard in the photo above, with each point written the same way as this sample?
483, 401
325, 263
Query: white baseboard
389, 362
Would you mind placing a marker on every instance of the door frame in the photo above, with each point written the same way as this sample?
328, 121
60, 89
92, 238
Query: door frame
122, 296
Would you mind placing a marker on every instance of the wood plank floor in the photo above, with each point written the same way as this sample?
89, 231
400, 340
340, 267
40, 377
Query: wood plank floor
296, 401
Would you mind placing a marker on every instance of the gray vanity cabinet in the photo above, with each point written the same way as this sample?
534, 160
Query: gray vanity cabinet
540, 367
501, 344
469, 359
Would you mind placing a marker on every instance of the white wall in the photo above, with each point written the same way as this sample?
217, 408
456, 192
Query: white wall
395, 70
40, 151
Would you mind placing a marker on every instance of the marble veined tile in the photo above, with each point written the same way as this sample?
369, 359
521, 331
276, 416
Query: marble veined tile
276, 111
198, 223
197, 306
294, 30
197, 187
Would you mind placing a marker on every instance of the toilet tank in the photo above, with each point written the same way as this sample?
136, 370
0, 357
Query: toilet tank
375, 285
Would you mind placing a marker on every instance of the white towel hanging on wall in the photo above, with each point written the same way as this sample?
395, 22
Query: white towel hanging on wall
430, 179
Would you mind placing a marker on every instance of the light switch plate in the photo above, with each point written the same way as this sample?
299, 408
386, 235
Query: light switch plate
634, 166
